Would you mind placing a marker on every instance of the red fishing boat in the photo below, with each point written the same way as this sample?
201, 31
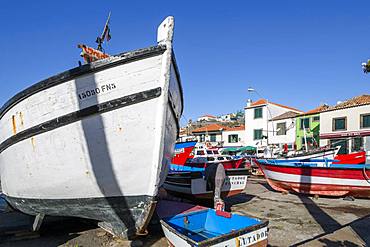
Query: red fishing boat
186, 154
183, 152
311, 178
352, 158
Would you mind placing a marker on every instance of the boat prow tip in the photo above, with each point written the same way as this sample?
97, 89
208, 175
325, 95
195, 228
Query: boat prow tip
165, 31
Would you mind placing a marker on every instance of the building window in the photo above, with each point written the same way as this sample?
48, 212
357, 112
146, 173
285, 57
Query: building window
212, 138
343, 143
233, 138
316, 119
365, 120
305, 123
202, 138
281, 129
258, 112
339, 123
257, 134
357, 144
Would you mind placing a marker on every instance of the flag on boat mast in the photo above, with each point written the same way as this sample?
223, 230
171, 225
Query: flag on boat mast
105, 34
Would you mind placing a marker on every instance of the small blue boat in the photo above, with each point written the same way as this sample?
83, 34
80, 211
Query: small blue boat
200, 226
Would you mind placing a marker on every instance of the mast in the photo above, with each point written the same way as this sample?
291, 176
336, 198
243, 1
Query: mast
305, 136
90, 54
105, 34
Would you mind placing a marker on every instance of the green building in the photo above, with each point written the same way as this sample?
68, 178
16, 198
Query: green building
309, 122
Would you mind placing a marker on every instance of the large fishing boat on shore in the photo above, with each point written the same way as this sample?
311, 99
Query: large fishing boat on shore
311, 177
95, 141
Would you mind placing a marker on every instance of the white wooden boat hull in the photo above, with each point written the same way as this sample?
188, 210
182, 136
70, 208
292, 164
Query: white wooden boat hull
185, 224
94, 141
328, 154
255, 238
193, 183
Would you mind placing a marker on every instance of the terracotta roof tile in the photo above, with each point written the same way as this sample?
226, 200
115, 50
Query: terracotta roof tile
317, 109
207, 115
264, 102
285, 115
259, 102
236, 128
355, 101
210, 127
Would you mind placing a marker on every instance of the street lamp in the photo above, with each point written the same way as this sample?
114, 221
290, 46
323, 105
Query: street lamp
252, 90
366, 67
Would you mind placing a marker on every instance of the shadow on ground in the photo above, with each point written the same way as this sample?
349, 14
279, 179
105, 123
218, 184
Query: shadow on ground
55, 231
331, 243
237, 199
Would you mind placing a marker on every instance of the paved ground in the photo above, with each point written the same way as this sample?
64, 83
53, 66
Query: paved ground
295, 220
304, 221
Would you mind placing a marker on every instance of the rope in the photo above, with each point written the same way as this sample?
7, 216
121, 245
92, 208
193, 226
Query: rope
365, 174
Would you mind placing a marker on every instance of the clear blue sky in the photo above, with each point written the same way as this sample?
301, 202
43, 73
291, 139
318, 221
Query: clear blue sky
298, 53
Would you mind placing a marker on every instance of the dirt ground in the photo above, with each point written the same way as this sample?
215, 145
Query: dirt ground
295, 220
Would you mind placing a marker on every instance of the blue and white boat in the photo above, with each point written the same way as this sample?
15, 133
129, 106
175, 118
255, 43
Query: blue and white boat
199, 226
191, 181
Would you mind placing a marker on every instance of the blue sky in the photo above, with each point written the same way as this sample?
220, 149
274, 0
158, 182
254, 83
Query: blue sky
297, 53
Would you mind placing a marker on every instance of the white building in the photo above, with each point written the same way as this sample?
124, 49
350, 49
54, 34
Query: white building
227, 117
211, 133
207, 118
185, 135
347, 124
234, 136
285, 129
257, 116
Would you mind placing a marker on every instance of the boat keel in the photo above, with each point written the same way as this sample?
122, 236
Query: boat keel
124, 217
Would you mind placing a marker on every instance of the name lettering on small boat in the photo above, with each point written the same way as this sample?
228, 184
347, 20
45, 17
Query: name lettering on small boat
248, 240
234, 180
95, 91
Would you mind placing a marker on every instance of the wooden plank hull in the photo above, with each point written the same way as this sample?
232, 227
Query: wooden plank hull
229, 164
353, 158
336, 180
74, 143
183, 152
193, 183
199, 226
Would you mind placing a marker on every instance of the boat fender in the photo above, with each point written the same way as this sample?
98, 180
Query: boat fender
223, 214
212, 172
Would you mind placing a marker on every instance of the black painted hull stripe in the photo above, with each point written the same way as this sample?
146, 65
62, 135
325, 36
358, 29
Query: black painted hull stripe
81, 114
80, 71
178, 184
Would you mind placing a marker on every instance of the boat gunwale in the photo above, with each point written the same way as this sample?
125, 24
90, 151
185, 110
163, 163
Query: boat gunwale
196, 174
305, 166
311, 152
217, 239
96, 66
